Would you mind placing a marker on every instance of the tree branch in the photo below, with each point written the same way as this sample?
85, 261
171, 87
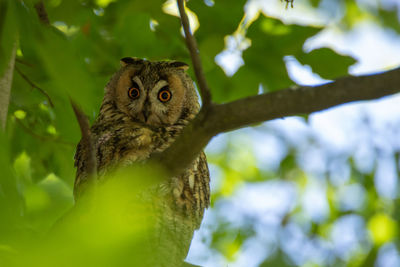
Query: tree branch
42, 13
195, 55
247, 111
23, 62
34, 86
305, 100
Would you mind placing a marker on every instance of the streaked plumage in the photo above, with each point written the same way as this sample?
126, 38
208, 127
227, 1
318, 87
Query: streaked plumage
133, 124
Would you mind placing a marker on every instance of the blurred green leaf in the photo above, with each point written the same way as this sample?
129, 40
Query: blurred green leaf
271, 41
11, 201
382, 228
215, 23
228, 240
327, 63
315, 3
389, 18
354, 13
278, 259
76, 12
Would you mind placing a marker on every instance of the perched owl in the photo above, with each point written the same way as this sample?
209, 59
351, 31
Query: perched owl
145, 107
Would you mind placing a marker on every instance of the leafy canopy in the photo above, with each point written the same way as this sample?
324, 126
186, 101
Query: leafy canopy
75, 58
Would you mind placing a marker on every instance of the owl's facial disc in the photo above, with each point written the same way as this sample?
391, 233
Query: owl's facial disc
149, 102
153, 95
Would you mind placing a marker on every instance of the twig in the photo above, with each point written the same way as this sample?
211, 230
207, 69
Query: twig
41, 137
42, 14
289, 2
194, 53
87, 141
23, 62
34, 86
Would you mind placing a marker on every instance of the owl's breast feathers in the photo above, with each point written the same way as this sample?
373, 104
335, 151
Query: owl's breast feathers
115, 144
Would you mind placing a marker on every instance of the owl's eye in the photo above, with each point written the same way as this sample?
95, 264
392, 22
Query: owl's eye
165, 94
133, 93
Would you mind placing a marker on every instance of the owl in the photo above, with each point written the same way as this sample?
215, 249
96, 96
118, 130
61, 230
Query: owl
145, 107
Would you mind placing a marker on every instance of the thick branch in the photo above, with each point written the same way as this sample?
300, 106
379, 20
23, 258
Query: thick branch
304, 100
259, 108
194, 53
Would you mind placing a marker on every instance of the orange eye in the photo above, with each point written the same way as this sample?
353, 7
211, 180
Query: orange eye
164, 95
134, 93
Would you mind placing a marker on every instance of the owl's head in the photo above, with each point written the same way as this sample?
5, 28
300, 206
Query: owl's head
155, 93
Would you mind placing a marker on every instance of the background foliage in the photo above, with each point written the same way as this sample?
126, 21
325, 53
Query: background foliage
75, 60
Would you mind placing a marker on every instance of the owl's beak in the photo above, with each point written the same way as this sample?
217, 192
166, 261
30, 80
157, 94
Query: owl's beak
146, 114
146, 111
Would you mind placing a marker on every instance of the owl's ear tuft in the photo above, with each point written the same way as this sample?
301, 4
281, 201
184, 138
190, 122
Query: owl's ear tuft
179, 65
130, 60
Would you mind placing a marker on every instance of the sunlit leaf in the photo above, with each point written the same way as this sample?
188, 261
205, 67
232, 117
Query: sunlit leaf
20, 114
382, 228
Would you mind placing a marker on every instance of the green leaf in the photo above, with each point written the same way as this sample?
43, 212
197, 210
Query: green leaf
271, 41
225, 89
390, 18
327, 63
215, 25
277, 259
133, 44
315, 3
214, 20
75, 12
68, 77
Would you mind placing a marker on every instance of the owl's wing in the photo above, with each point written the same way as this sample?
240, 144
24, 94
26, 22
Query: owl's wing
81, 174
203, 191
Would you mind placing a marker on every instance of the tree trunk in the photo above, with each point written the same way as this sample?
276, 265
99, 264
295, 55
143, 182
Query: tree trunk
5, 88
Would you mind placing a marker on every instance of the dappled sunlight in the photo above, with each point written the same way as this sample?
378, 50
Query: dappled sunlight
311, 190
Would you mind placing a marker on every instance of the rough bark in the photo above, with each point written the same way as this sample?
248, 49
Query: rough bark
5, 88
